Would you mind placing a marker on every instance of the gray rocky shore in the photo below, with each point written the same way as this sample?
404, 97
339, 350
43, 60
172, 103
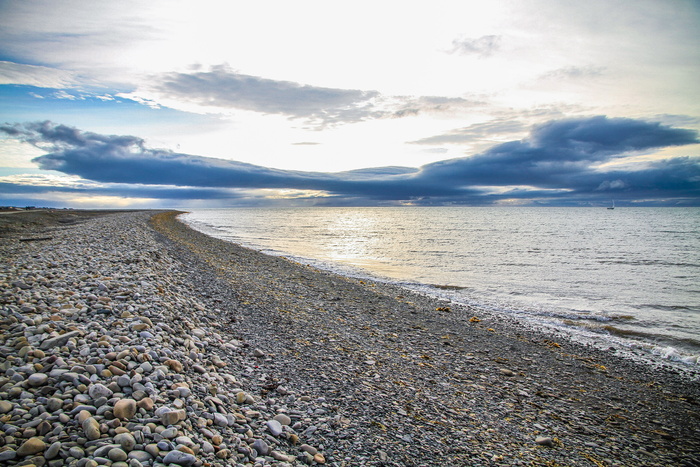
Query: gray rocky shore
128, 339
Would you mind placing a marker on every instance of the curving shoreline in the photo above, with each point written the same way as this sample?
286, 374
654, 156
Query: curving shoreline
234, 357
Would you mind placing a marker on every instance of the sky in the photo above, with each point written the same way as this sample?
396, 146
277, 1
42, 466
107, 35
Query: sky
197, 104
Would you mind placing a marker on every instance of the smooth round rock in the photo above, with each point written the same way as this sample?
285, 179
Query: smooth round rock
91, 428
169, 433
53, 450
54, 404
278, 456
5, 406
283, 419
544, 441
76, 452
185, 441
220, 419
207, 447
261, 446
117, 455
174, 365
275, 427
126, 441
43, 428
31, 446
179, 458
37, 379
99, 390
152, 449
146, 404
125, 409
169, 417
310, 449
141, 456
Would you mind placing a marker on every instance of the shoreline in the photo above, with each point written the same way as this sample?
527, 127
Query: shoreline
361, 373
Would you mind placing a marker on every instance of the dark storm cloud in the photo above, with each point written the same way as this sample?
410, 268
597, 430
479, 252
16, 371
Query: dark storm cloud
222, 87
680, 176
124, 159
558, 153
118, 190
560, 160
597, 138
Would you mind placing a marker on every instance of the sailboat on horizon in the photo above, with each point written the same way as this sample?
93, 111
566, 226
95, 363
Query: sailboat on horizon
612, 206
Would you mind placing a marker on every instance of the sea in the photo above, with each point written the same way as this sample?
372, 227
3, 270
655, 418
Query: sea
624, 278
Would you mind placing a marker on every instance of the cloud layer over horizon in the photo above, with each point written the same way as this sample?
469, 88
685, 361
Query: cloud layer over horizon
575, 161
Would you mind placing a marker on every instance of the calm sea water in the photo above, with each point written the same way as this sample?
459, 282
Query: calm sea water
628, 276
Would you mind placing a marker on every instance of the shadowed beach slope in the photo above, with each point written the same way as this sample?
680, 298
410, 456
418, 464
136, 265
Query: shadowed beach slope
233, 357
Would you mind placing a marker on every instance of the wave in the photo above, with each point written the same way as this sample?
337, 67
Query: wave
448, 287
668, 307
648, 262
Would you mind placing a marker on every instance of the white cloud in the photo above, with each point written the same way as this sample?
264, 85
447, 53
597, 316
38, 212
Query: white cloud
39, 76
573, 73
483, 46
492, 131
222, 87
50, 180
64, 95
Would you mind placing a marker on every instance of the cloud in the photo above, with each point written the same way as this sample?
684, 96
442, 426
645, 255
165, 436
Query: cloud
125, 159
559, 153
224, 88
475, 132
31, 75
483, 46
221, 89
573, 73
560, 161
406, 106
32, 184
64, 95
595, 138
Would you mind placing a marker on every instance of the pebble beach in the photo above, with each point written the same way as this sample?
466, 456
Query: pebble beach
128, 339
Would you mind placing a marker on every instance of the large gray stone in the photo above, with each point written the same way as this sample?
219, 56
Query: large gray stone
58, 341
179, 458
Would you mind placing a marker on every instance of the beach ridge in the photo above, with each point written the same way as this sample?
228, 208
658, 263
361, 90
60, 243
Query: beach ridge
132, 338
